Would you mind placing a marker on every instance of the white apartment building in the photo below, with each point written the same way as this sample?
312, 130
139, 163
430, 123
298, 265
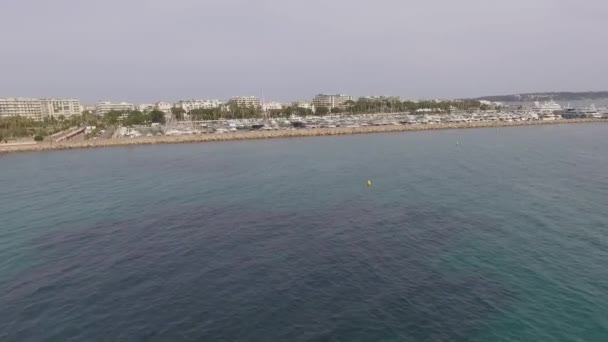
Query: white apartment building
272, 105
246, 101
23, 107
38, 109
164, 107
304, 104
102, 108
330, 101
145, 107
189, 105
58, 107
87, 108
382, 98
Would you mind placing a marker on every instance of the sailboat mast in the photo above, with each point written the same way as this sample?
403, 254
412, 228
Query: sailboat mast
264, 115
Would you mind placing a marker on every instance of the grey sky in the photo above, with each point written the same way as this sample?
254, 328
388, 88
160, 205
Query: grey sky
148, 50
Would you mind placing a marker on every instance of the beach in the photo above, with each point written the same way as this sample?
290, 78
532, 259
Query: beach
255, 135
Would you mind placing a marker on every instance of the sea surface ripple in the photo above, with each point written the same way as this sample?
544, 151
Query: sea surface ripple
465, 235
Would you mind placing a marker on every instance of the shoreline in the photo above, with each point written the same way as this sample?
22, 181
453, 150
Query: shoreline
257, 135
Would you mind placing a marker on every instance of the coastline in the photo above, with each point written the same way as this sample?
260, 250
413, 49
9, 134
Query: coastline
256, 135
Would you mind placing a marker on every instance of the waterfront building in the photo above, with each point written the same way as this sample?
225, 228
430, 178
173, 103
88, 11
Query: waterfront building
272, 106
102, 108
22, 107
382, 98
491, 104
58, 107
145, 107
164, 107
189, 105
245, 101
330, 101
38, 109
303, 104
87, 108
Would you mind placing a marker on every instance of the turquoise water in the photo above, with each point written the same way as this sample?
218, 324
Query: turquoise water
501, 237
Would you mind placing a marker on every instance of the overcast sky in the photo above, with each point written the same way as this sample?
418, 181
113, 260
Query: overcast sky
149, 50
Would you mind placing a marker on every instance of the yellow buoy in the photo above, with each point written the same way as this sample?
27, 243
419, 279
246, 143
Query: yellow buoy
369, 183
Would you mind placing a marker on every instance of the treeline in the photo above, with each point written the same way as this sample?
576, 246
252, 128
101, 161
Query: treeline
372, 106
367, 106
246, 113
361, 106
19, 127
133, 118
224, 113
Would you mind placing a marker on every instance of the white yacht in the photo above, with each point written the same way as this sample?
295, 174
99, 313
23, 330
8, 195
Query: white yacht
547, 106
586, 112
547, 110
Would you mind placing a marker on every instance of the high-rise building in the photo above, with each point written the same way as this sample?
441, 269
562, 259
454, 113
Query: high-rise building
246, 101
330, 101
102, 108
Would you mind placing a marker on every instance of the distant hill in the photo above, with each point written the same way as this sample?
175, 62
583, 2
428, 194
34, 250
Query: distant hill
556, 96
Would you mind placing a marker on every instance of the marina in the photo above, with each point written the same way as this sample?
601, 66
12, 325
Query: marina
549, 111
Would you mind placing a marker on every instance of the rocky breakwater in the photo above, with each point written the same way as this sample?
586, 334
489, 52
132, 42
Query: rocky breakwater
274, 134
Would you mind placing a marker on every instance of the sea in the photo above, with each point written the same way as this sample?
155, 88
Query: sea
464, 235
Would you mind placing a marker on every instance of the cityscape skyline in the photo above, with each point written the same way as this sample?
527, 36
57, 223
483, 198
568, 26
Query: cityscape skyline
310, 98
263, 95
143, 51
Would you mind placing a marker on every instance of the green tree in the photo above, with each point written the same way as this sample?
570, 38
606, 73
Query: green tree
38, 138
14, 127
90, 119
304, 111
350, 105
336, 110
136, 117
112, 117
157, 116
199, 114
178, 113
322, 111
75, 120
